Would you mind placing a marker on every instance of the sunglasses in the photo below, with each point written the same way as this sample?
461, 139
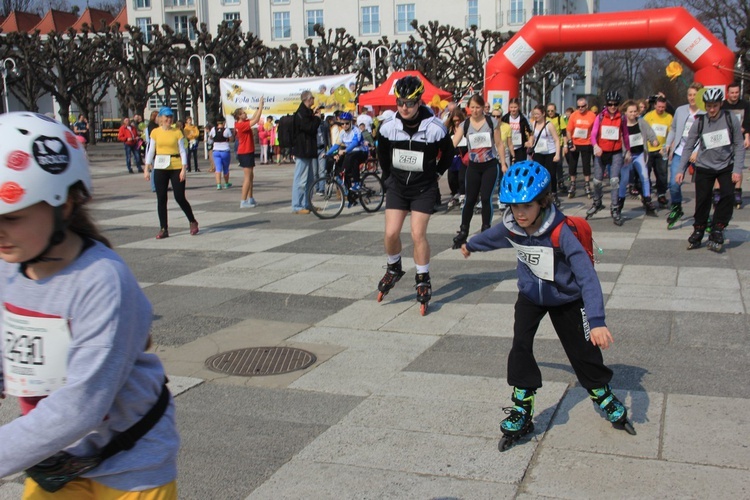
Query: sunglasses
584, 106
550, 111
613, 103
408, 104
496, 116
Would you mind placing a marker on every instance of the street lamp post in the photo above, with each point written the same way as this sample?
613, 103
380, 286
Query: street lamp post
5, 68
202, 61
372, 55
562, 91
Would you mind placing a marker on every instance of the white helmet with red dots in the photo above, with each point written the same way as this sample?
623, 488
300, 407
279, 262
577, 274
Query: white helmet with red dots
40, 159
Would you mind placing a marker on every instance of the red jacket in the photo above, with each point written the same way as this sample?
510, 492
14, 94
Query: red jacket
128, 135
614, 122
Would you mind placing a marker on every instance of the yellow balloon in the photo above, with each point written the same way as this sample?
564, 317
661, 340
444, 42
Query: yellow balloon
342, 95
674, 69
699, 99
443, 104
435, 102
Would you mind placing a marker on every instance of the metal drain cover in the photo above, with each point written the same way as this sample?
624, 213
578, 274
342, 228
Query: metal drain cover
258, 361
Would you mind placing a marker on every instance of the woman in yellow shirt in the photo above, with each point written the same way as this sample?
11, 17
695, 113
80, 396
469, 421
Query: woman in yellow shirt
167, 157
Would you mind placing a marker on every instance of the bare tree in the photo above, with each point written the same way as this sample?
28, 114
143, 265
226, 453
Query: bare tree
7, 6
550, 71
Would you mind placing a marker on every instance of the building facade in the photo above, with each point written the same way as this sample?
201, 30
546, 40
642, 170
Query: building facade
284, 22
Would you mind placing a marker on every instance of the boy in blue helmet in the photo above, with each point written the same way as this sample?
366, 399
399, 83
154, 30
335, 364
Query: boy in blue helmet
558, 280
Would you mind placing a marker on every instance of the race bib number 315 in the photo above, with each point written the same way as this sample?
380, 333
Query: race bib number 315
539, 260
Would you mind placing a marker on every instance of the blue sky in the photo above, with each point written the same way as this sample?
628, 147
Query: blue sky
616, 5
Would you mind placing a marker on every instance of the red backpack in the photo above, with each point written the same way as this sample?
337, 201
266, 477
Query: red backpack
582, 231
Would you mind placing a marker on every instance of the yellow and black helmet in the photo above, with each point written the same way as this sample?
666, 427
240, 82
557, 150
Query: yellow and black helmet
409, 87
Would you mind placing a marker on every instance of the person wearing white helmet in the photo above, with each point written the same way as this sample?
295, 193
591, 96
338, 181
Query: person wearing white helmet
718, 139
75, 330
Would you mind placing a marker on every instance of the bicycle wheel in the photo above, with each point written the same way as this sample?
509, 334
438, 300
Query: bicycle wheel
371, 192
331, 202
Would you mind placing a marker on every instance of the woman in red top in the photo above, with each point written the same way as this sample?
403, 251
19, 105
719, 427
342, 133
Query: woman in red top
128, 135
243, 127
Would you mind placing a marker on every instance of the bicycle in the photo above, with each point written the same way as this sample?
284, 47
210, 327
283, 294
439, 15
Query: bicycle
330, 203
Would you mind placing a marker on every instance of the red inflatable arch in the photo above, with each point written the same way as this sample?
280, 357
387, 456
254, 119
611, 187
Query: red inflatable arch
672, 28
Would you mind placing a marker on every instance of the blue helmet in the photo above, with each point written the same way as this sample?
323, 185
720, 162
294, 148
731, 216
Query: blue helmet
524, 182
346, 116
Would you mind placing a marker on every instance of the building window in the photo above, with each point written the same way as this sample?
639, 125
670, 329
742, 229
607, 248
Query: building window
231, 16
282, 27
370, 20
142, 4
472, 18
279, 2
516, 14
181, 3
144, 24
538, 8
404, 17
313, 17
182, 25
230, 2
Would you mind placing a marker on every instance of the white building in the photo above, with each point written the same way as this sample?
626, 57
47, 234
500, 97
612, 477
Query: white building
283, 22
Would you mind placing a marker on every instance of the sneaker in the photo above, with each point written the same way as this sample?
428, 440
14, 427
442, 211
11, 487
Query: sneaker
218, 187
244, 204
227, 185
251, 203
194, 228
355, 187
302, 211
162, 234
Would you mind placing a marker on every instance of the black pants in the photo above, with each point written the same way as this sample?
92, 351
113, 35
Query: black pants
193, 153
520, 154
586, 153
572, 328
480, 180
704, 185
162, 178
658, 164
349, 163
546, 162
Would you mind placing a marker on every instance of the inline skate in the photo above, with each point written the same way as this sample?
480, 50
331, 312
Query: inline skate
424, 291
519, 420
738, 199
615, 410
393, 273
716, 238
674, 215
617, 216
461, 236
694, 240
593, 209
648, 205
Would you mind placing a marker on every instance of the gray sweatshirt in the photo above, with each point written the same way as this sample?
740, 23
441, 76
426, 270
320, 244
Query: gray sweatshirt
715, 158
111, 382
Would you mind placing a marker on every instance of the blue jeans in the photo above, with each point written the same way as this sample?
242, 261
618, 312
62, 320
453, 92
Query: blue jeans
132, 150
304, 171
612, 162
675, 190
321, 170
640, 168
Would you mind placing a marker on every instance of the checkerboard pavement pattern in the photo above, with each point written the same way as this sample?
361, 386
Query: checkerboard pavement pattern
404, 406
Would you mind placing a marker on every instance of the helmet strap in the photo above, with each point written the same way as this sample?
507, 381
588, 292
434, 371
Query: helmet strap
57, 237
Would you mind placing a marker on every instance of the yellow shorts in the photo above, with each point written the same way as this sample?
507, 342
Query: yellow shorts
84, 489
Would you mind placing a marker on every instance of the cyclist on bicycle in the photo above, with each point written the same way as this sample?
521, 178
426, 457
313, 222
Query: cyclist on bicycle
349, 152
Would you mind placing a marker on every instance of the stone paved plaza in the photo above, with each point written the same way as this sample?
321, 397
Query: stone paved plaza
403, 406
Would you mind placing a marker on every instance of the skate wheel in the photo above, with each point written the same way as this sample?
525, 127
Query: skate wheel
505, 443
423, 308
628, 428
380, 296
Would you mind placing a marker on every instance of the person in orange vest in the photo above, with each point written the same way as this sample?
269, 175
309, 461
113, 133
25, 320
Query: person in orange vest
609, 136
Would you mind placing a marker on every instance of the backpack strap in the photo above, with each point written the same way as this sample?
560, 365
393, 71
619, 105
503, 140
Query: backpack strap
555, 236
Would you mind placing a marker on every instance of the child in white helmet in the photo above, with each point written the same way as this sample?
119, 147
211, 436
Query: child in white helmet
75, 328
